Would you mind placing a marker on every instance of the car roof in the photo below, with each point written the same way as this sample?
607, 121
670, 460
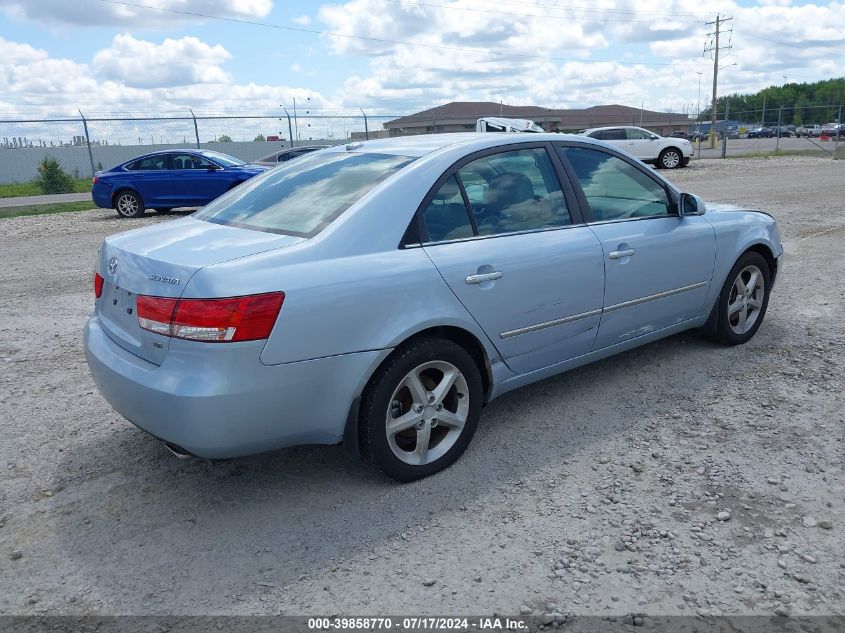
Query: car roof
614, 127
419, 145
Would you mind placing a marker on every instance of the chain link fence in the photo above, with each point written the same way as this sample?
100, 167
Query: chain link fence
47, 156
811, 130
59, 155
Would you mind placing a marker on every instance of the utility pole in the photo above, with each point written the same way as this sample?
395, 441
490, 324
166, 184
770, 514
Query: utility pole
714, 46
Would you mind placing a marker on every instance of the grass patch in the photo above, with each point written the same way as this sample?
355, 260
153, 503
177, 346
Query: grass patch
18, 189
40, 209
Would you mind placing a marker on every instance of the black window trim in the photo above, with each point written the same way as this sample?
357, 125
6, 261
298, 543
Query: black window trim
672, 195
569, 195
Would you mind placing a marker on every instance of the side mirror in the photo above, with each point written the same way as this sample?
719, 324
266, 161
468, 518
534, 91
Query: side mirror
691, 204
654, 137
214, 168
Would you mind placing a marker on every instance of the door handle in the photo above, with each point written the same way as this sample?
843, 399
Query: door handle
481, 278
620, 254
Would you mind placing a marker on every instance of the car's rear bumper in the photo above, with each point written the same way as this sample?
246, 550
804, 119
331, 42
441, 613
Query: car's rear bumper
102, 195
219, 401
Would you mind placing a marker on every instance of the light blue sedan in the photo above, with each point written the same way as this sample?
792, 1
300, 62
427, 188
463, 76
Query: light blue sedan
380, 293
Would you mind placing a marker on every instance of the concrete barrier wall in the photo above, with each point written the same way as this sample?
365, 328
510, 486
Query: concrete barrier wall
21, 164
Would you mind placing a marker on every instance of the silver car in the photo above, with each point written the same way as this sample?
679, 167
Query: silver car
380, 293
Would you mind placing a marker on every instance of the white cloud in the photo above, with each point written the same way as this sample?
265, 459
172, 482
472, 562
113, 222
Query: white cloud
135, 75
302, 20
662, 46
140, 64
92, 12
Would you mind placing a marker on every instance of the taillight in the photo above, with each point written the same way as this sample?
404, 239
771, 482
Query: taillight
95, 180
231, 319
98, 285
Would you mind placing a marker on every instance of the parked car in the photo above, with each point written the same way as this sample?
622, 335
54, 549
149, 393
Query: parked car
830, 129
810, 131
760, 132
380, 293
284, 155
666, 153
501, 124
168, 179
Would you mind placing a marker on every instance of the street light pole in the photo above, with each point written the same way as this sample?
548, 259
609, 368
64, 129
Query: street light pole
698, 115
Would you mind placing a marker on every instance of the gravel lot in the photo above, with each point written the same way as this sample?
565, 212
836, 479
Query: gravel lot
680, 478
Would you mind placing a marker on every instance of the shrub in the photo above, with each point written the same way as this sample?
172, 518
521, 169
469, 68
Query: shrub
52, 178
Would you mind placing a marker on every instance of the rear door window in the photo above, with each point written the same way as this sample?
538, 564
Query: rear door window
303, 196
514, 191
446, 217
150, 163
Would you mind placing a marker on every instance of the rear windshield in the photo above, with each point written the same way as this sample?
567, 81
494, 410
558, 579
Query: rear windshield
302, 196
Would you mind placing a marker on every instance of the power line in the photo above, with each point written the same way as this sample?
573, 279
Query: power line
535, 15
462, 49
557, 5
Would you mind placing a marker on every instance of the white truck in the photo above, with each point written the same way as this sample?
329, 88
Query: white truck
499, 124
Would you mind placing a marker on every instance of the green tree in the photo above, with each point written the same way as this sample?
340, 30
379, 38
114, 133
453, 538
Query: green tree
225, 139
259, 139
52, 178
816, 102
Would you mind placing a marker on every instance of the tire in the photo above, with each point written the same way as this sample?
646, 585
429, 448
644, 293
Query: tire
393, 394
732, 325
128, 204
670, 158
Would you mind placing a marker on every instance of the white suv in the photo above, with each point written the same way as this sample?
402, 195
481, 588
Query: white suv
666, 153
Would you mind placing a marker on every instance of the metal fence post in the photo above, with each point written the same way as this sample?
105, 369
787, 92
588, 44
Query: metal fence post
780, 122
88, 142
725, 128
196, 129
366, 127
434, 125
838, 130
290, 126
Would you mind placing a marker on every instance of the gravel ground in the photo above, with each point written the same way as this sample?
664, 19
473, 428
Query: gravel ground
679, 478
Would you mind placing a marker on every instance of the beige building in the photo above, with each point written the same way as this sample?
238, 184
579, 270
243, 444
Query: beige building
460, 116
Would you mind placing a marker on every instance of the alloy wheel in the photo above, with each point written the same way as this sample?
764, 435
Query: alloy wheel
127, 204
746, 299
427, 412
671, 159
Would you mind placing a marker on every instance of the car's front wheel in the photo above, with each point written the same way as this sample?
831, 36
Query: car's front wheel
743, 300
421, 409
128, 204
670, 158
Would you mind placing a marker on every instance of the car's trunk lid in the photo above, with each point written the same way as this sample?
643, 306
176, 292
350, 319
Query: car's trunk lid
159, 261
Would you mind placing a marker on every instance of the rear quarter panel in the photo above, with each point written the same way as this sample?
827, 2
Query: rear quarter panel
343, 305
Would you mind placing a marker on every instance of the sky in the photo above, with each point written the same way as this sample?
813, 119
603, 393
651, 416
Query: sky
400, 56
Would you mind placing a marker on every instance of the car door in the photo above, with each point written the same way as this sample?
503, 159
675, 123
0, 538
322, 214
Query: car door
510, 243
658, 265
641, 144
150, 177
197, 180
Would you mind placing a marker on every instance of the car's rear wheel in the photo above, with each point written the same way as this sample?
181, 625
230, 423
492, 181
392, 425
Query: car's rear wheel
743, 300
128, 204
421, 409
670, 158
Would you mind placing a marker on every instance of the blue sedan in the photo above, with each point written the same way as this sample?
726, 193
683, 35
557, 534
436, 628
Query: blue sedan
379, 294
168, 179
